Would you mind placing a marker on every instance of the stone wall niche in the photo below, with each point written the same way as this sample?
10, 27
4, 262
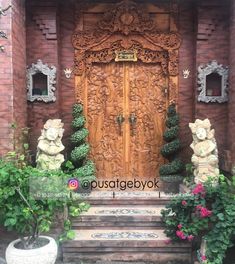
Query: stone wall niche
41, 80
213, 83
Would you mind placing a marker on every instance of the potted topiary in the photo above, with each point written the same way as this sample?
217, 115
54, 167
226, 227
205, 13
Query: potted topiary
172, 172
80, 166
20, 211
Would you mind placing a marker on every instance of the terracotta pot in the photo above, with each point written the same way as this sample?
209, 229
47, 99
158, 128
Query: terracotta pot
44, 255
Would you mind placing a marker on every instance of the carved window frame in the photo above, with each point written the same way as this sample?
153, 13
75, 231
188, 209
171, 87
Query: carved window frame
50, 72
203, 72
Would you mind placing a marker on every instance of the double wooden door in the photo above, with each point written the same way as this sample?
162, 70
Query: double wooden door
125, 104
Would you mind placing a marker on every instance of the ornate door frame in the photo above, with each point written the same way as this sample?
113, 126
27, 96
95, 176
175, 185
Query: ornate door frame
128, 26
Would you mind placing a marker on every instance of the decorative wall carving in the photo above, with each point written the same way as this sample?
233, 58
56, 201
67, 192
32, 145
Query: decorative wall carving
126, 26
203, 72
50, 73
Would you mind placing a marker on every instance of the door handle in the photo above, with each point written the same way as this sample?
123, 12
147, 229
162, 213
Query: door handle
120, 119
132, 121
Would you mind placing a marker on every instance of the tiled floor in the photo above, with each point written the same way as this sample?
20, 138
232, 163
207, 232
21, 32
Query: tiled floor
124, 210
84, 235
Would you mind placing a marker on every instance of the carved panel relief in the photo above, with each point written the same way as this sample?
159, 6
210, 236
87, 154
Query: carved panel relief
148, 103
104, 102
124, 26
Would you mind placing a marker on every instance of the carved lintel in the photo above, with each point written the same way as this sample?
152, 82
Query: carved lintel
125, 26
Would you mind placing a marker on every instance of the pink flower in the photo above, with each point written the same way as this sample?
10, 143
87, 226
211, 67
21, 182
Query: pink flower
203, 257
190, 238
184, 203
205, 212
179, 226
180, 234
199, 189
167, 242
199, 207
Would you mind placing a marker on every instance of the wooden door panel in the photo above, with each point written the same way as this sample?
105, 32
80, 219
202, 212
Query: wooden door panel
104, 103
126, 88
147, 101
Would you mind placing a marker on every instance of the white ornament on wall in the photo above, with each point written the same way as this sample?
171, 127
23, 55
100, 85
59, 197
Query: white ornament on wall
68, 72
186, 73
203, 72
50, 76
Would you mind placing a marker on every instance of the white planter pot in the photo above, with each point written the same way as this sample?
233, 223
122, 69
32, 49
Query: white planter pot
43, 255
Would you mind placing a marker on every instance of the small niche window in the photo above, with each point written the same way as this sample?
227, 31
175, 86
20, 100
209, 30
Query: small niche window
213, 83
40, 82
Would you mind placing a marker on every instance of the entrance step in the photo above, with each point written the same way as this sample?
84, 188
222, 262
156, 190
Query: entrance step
127, 198
106, 217
124, 227
132, 245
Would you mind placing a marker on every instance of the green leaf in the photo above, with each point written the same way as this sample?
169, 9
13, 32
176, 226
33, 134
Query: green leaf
71, 234
10, 222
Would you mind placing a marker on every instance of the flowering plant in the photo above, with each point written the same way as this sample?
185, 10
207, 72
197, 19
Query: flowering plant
187, 215
206, 211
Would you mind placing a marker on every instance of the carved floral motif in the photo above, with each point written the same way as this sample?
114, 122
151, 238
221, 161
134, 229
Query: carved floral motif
124, 26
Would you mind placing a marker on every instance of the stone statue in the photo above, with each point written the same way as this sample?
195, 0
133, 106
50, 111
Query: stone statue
50, 146
205, 157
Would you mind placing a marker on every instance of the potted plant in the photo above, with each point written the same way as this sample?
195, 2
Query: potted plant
29, 216
79, 166
172, 172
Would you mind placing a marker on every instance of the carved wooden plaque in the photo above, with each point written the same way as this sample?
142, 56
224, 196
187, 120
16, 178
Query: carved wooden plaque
126, 102
126, 55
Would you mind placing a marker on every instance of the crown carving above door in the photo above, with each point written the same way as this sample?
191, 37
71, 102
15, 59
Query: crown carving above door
126, 18
126, 25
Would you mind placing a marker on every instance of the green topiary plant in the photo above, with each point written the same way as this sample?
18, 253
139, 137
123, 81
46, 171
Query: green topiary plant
80, 166
171, 172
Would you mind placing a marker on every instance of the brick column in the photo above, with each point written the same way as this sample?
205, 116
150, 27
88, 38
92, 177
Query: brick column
231, 105
12, 75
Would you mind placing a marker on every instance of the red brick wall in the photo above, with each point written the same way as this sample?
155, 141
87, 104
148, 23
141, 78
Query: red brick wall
186, 86
67, 93
231, 105
212, 43
12, 75
6, 84
42, 43
19, 68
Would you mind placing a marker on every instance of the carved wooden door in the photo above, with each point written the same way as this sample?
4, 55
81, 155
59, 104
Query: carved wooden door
125, 104
147, 104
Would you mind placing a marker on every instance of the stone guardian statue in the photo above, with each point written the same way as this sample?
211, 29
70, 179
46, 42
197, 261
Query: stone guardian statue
205, 156
50, 145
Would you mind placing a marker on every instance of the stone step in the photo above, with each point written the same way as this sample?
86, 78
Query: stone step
99, 246
126, 198
116, 217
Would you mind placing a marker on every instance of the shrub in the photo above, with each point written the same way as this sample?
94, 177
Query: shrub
171, 172
79, 166
207, 211
29, 215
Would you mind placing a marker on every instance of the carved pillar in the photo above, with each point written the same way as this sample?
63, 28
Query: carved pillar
231, 105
